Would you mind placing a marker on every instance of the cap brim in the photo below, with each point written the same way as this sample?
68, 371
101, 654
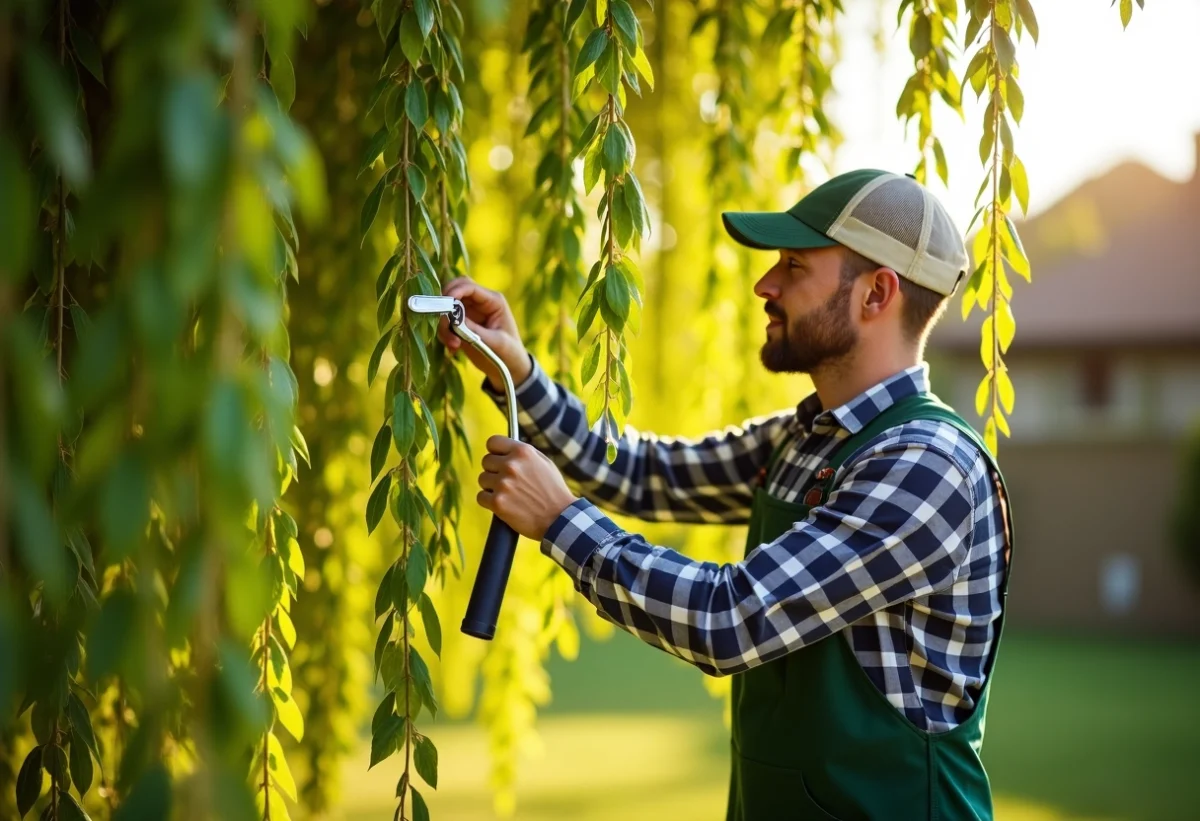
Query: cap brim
770, 230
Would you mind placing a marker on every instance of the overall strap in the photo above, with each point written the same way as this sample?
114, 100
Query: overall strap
917, 407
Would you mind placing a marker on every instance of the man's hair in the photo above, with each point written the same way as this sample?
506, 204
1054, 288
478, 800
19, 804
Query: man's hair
921, 308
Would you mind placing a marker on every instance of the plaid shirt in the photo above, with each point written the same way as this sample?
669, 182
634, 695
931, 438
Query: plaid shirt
906, 558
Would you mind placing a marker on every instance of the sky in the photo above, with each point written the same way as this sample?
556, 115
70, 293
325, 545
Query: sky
1095, 95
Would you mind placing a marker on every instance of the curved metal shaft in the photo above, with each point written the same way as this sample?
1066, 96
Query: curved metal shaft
456, 315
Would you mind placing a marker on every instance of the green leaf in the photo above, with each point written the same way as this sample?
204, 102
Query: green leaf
573, 13
283, 80
1126, 12
373, 150
615, 152
416, 570
377, 354
385, 632
616, 294
412, 41
88, 54
54, 113
939, 156
1020, 182
419, 810
81, 764
608, 69
1006, 52
416, 104
416, 181
380, 450
288, 713
591, 165
1006, 326
370, 209
29, 781
425, 756
1004, 386
279, 768
301, 445
81, 722
377, 504
622, 220
69, 809
430, 424
1025, 10
982, 394
420, 673
1014, 251
591, 50
385, 740
587, 311
433, 626
424, 10
404, 423
1016, 98
626, 22
590, 362
642, 64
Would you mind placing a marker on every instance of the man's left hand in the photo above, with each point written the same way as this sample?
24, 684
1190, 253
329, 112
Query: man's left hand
522, 486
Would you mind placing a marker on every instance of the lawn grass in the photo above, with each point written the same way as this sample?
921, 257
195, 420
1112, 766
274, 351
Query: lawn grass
1077, 729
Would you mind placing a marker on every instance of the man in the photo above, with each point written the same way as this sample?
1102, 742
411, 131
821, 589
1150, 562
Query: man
862, 624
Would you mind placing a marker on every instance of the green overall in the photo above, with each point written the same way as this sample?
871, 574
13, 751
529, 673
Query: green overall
813, 738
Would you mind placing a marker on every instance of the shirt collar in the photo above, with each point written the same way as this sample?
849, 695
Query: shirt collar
859, 411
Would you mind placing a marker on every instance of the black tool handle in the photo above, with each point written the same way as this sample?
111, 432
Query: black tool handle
488, 593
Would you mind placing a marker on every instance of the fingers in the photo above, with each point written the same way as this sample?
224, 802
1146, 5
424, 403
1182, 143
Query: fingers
493, 463
502, 445
446, 336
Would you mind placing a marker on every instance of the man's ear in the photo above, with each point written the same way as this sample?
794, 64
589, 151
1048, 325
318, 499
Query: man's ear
884, 288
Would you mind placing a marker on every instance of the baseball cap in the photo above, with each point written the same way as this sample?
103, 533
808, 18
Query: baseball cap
889, 218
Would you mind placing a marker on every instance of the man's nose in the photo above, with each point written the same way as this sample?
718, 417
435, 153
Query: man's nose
767, 286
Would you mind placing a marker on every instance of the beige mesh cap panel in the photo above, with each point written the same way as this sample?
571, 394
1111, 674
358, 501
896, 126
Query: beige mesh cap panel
895, 221
889, 218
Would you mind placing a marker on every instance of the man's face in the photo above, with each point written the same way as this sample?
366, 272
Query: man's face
808, 306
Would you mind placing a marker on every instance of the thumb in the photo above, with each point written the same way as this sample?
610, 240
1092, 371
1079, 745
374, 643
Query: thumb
495, 339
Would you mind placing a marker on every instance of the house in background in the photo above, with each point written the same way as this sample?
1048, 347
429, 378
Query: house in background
1106, 367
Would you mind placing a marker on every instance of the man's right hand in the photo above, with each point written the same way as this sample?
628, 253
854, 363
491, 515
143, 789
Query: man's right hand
489, 316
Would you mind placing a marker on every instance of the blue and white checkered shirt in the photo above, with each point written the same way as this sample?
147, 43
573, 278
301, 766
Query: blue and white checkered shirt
906, 558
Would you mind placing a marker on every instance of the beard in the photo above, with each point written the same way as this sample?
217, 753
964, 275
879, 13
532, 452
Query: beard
820, 337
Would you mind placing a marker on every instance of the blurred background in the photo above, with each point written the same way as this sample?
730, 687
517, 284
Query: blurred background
1094, 711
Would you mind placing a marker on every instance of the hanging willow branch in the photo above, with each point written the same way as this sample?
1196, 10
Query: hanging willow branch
805, 31
931, 41
276, 538
994, 68
66, 597
421, 54
556, 281
613, 56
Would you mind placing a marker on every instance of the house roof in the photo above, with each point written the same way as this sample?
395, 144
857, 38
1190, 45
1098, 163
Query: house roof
1115, 262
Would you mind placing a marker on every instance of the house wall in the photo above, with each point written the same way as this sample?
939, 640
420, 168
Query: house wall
1093, 468
1092, 548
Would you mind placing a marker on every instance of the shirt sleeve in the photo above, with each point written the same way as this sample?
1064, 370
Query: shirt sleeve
897, 527
654, 478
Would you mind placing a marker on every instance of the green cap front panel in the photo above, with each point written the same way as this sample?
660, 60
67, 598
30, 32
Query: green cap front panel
825, 203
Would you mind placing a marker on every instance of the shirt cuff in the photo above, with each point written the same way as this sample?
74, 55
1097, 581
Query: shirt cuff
577, 533
535, 376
